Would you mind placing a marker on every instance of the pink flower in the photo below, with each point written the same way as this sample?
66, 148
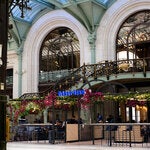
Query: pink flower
90, 97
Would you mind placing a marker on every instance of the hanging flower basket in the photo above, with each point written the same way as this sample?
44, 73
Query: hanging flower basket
142, 103
131, 103
50, 99
90, 98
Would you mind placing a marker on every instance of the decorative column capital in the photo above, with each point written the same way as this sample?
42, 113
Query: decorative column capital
92, 38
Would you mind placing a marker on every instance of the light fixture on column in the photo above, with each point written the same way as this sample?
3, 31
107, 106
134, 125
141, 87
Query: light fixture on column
1, 86
1, 62
21, 4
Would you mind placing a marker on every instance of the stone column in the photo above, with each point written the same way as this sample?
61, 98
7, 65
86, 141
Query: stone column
92, 39
45, 115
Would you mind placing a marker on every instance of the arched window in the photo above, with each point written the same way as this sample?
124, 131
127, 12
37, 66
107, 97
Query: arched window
59, 52
133, 39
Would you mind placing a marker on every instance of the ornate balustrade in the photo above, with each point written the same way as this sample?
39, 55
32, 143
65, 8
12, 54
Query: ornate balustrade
106, 69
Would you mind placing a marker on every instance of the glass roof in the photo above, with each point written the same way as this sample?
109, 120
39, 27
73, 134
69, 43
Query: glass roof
68, 1
103, 1
29, 12
63, 1
34, 7
26, 12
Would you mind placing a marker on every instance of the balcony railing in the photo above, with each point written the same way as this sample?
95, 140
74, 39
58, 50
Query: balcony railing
101, 69
45, 77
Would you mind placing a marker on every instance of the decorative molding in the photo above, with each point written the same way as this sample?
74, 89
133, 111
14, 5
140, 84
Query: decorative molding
36, 35
110, 24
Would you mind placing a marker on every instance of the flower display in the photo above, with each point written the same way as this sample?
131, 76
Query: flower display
23, 107
134, 102
50, 99
90, 98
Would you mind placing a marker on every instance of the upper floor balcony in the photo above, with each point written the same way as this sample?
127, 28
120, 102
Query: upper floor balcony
107, 70
131, 69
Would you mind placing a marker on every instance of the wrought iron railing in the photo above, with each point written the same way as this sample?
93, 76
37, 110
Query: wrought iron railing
108, 68
68, 78
101, 69
46, 77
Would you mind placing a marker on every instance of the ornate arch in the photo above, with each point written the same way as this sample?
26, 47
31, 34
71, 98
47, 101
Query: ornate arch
34, 39
111, 22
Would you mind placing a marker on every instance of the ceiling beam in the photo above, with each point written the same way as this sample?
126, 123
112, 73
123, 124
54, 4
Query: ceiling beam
54, 2
82, 17
47, 4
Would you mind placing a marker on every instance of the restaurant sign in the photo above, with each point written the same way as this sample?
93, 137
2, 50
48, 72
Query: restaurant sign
70, 93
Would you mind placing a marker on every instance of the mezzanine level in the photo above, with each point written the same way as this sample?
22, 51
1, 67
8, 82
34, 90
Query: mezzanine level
127, 70
108, 70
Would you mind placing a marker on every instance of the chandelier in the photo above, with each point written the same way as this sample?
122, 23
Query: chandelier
21, 4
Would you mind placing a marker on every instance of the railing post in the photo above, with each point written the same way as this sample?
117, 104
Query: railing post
107, 69
84, 72
110, 141
144, 68
93, 142
130, 138
95, 74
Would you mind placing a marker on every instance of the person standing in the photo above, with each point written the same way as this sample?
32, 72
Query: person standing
99, 118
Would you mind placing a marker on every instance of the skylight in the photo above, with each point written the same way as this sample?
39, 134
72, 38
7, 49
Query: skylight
102, 1
34, 7
29, 12
63, 1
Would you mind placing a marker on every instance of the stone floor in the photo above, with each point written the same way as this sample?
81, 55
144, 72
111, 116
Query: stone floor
44, 145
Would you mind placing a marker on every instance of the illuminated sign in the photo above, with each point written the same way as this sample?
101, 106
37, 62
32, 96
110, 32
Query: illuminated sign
70, 93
